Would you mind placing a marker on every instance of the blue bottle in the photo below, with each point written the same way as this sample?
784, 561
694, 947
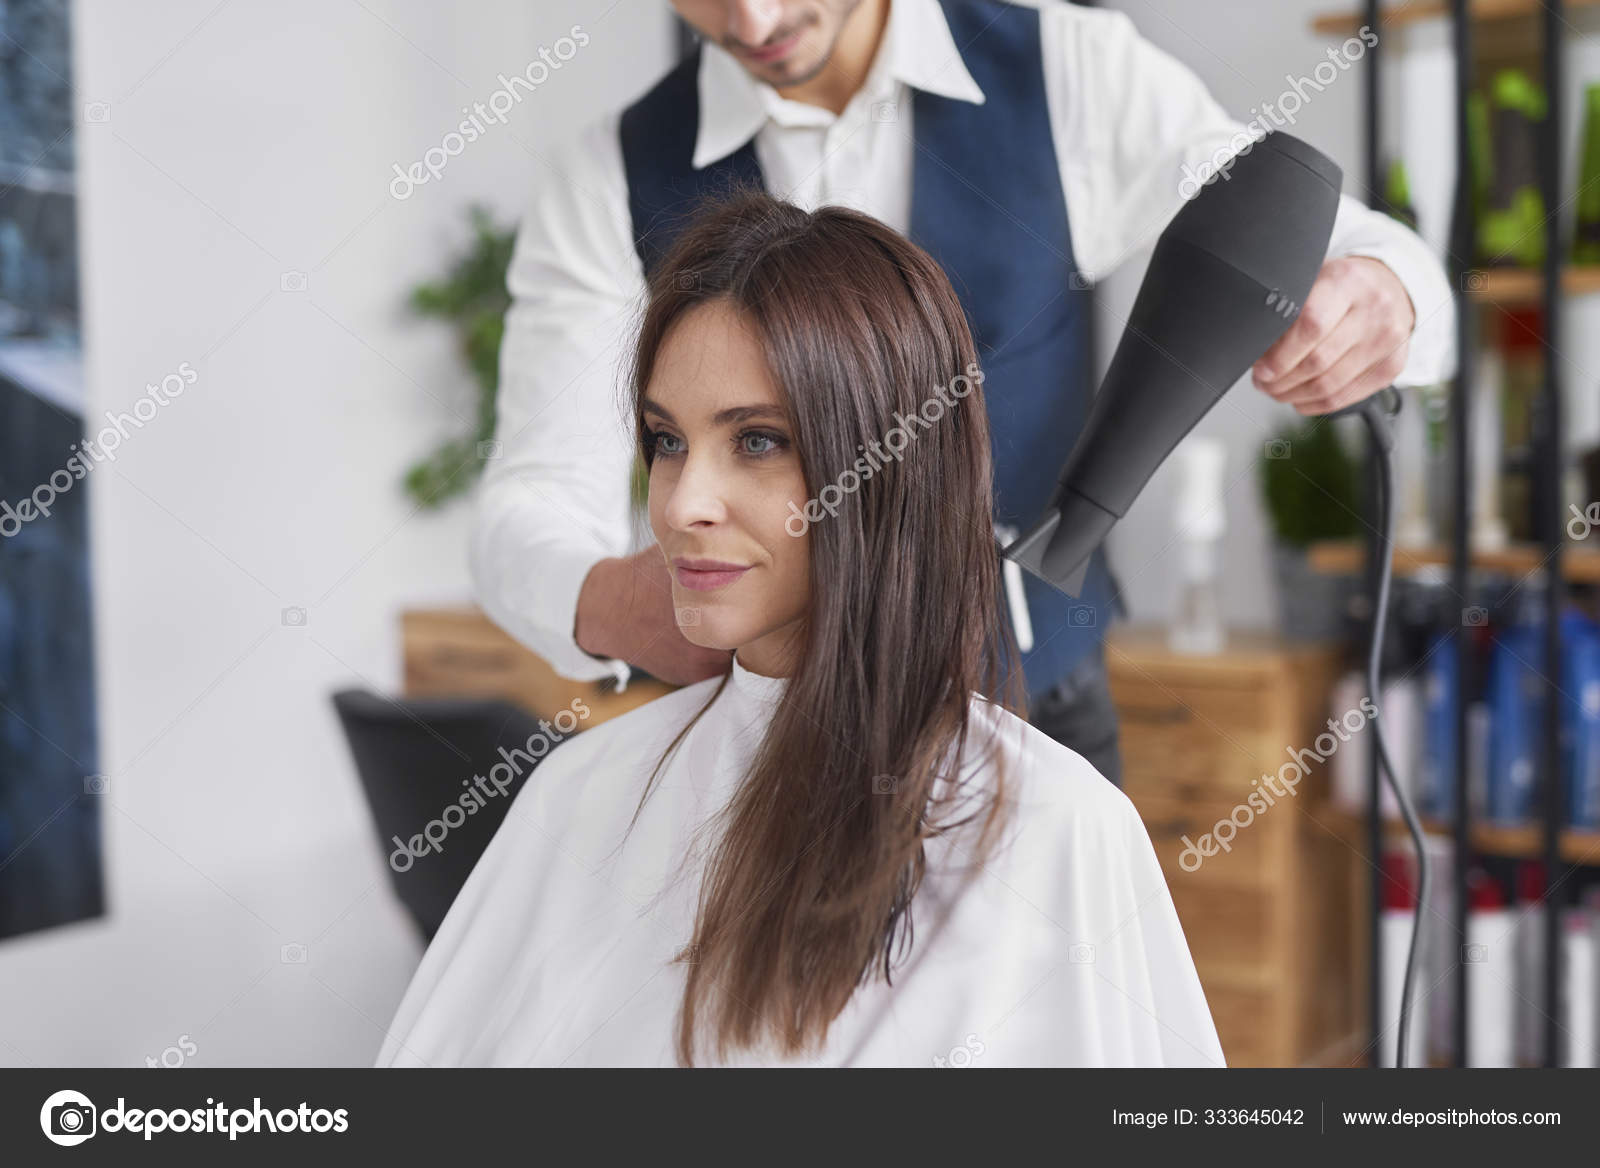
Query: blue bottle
1580, 643
1516, 702
1438, 769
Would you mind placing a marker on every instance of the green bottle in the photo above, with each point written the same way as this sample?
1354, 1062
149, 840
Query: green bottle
1511, 228
1478, 152
1586, 230
1397, 194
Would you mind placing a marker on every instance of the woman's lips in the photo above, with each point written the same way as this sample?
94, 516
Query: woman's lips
705, 577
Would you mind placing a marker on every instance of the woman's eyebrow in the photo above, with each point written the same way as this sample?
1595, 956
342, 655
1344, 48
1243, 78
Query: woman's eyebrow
745, 414
725, 417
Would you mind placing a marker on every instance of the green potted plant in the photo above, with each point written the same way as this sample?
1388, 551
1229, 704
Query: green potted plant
1310, 486
473, 298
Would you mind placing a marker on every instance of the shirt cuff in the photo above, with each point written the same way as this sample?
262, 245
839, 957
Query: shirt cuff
565, 573
560, 576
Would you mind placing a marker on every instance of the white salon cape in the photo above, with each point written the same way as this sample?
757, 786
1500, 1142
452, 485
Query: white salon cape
1062, 950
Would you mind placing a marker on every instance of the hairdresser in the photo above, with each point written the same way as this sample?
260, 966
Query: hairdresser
1031, 150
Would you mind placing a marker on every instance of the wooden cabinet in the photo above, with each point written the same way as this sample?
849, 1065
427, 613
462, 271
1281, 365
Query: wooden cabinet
1272, 915
460, 652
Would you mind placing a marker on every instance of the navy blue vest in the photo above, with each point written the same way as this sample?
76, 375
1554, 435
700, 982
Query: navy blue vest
986, 202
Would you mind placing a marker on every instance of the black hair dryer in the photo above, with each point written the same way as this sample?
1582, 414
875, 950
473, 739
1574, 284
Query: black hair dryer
1225, 281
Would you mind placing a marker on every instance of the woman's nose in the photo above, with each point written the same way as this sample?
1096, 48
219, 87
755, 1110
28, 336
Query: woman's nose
697, 494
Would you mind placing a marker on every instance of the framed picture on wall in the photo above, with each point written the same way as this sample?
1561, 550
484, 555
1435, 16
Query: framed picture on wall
50, 782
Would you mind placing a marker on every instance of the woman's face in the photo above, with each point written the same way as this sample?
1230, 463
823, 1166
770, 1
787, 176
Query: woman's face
724, 474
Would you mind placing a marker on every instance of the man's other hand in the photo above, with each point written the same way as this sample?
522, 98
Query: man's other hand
625, 611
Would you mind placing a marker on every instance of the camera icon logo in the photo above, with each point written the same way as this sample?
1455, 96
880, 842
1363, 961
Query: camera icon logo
1078, 282
1081, 616
1081, 954
292, 282
1474, 615
292, 954
294, 616
688, 617
687, 281
1474, 954
96, 785
961, 1056
885, 111
490, 448
1278, 448
885, 784
1474, 281
68, 1118
97, 111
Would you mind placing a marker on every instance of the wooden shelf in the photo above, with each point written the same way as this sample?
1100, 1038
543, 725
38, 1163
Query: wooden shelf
1342, 557
1525, 842
1577, 847
1414, 11
459, 652
1518, 286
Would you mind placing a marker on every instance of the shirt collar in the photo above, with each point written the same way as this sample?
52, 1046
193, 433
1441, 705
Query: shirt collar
917, 49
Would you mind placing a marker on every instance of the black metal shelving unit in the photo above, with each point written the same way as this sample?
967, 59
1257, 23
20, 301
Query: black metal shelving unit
1463, 235
1546, 497
1548, 431
1372, 152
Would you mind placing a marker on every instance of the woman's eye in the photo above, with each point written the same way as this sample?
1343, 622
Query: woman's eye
760, 442
662, 443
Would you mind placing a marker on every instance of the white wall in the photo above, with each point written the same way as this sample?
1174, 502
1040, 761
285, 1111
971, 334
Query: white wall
244, 141
1242, 53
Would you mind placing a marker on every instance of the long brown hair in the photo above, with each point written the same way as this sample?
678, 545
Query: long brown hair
808, 891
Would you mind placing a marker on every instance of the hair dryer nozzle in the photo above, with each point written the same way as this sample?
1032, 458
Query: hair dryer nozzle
1226, 279
1057, 548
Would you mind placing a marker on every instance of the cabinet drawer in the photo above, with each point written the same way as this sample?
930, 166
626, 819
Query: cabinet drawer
1229, 930
1225, 901
1192, 742
1244, 1018
1177, 828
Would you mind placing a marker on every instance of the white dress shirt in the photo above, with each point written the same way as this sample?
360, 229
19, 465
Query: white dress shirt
1126, 118
1062, 949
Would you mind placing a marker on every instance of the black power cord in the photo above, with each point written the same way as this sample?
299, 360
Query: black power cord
1379, 412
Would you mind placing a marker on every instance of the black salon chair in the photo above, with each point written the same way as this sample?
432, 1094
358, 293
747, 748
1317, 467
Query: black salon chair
413, 755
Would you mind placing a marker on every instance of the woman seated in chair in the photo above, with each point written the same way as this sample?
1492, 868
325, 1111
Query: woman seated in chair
849, 849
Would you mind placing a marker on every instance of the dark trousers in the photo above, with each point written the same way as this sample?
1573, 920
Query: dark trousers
1078, 713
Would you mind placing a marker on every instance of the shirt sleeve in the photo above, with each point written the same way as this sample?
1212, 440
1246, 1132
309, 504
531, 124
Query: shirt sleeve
1132, 125
1359, 230
555, 498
